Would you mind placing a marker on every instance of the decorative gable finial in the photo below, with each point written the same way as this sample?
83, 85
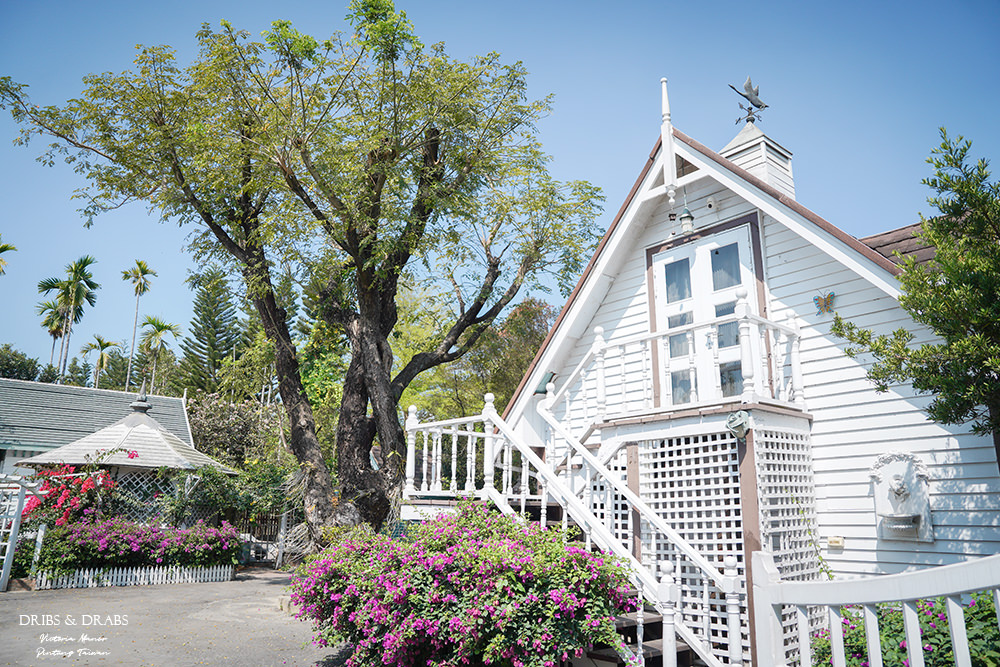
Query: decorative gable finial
756, 105
667, 146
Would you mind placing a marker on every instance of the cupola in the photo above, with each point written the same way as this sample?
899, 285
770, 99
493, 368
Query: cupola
763, 157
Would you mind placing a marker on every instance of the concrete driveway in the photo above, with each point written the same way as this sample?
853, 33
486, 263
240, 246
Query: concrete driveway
235, 623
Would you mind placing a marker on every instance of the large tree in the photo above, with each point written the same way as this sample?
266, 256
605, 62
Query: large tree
366, 160
102, 347
77, 288
154, 340
956, 294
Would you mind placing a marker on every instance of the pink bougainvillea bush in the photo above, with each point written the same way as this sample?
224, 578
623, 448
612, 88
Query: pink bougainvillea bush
95, 543
469, 588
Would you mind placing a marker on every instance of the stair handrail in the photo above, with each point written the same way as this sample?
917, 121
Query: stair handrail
600, 534
638, 503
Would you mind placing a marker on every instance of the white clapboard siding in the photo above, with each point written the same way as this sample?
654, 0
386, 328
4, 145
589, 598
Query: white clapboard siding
853, 424
133, 576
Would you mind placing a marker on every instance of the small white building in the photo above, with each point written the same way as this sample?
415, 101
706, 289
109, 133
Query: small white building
690, 314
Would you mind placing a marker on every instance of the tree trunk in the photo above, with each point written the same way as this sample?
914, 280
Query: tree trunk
131, 350
318, 486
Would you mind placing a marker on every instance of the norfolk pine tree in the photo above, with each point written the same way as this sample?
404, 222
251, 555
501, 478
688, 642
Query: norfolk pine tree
364, 160
956, 294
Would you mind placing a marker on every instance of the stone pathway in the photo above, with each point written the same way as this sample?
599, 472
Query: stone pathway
234, 623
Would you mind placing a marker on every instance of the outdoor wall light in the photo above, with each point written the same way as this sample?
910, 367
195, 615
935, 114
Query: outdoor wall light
687, 221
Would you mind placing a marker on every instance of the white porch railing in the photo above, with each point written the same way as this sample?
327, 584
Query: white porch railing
771, 595
482, 457
635, 374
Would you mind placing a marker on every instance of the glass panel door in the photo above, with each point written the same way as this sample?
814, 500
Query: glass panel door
695, 284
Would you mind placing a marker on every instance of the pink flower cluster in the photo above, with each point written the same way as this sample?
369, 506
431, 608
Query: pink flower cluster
472, 587
122, 543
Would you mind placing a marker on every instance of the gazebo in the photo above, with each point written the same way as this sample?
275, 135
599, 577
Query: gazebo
134, 450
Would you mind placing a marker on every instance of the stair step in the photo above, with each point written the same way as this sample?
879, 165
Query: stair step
650, 649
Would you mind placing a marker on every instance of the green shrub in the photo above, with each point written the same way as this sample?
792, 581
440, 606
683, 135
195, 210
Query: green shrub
980, 624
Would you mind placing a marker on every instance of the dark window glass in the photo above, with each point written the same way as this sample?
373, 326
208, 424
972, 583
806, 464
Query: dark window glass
731, 374
678, 281
675, 321
725, 267
679, 345
729, 332
680, 386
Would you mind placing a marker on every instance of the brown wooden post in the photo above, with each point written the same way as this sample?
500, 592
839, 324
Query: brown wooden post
632, 479
750, 515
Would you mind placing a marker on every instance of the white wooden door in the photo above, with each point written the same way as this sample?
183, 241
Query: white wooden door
695, 284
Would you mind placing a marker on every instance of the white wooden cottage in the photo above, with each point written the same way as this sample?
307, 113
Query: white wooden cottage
705, 315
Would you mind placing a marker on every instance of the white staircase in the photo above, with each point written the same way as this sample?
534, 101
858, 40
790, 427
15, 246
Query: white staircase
481, 457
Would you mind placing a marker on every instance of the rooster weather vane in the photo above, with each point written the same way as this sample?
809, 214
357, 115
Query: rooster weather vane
755, 104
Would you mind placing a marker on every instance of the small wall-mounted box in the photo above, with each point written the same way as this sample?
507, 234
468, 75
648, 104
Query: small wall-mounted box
835, 542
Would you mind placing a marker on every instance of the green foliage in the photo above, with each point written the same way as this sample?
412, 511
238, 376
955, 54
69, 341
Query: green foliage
213, 333
48, 374
4, 248
980, 625
16, 365
475, 587
102, 347
496, 365
233, 432
78, 374
956, 295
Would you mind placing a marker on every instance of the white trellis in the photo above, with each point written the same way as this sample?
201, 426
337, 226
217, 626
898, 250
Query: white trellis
133, 576
13, 491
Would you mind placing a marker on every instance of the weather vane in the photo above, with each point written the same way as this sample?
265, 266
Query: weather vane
755, 105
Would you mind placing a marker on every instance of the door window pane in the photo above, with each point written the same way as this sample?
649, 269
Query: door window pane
731, 375
729, 332
679, 345
675, 321
725, 266
680, 386
678, 280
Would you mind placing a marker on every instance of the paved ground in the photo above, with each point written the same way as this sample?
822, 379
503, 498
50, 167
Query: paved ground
233, 623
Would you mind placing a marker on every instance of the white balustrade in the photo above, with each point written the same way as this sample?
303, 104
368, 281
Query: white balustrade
771, 595
624, 380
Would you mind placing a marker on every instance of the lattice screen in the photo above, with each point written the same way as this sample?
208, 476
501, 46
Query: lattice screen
788, 514
139, 494
693, 483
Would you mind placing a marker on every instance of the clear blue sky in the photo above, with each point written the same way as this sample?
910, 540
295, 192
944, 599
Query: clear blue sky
856, 91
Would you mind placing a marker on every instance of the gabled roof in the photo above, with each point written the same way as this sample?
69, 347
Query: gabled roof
142, 441
904, 242
856, 254
39, 416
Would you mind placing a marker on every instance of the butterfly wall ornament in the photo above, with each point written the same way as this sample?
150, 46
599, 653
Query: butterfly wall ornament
824, 304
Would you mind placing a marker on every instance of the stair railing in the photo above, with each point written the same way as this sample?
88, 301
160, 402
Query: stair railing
509, 473
709, 595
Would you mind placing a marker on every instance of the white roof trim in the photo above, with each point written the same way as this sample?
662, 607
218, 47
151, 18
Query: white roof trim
795, 222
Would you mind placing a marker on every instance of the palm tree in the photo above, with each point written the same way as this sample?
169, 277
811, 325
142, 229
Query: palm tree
4, 247
140, 277
154, 330
78, 287
102, 346
52, 320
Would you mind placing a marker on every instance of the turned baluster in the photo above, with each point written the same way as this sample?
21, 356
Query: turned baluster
452, 482
411, 450
470, 458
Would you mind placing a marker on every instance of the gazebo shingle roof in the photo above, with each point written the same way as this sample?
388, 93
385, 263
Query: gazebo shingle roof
155, 447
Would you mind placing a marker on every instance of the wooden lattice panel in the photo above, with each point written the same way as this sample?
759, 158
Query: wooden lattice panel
139, 494
693, 483
788, 514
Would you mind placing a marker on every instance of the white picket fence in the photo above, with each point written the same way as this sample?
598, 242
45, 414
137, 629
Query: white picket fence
134, 576
772, 596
